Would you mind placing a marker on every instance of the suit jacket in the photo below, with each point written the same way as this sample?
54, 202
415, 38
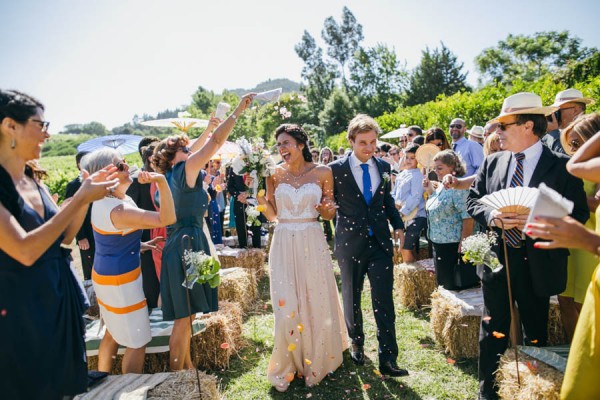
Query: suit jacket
355, 216
548, 267
86, 231
235, 185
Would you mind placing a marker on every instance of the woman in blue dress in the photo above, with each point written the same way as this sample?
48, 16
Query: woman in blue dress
183, 165
42, 347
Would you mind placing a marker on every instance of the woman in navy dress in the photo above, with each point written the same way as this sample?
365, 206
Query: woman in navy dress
42, 347
183, 165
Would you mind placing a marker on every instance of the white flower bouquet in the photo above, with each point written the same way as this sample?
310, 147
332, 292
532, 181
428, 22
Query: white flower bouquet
202, 268
254, 161
477, 249
252, 213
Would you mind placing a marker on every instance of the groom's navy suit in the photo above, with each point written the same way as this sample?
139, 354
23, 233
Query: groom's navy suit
363, 245
535, 274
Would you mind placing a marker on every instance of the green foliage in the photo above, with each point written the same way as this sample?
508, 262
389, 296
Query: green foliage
581, 71
336, 114
529, 58
438, 73
63, 144
376, 80
92, 128
334, 142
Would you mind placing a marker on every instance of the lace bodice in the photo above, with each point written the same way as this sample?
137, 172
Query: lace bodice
297, 203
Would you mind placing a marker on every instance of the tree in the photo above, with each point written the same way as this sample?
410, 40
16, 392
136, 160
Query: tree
530, 57
336, 114
376, 80
318, 74
438, 73
343, 39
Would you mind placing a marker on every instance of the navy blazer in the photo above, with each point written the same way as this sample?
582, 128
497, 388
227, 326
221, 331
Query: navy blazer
548, 267
354, 216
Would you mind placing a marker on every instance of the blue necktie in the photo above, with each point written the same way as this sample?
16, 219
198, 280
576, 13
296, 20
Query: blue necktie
366, 183
513, 235
367, 188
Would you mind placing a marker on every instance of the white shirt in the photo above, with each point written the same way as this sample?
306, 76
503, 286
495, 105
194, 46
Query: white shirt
532, 156
358, 173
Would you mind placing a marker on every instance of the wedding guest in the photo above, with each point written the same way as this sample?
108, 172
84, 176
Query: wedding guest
303, 288
470, 152
489, 128
408, 195
85, 236
448, 219
535, 274
117, 275
42, 351
438, 137
571, 104
183, 165
326, 156
413, 132
315, 155
476, 134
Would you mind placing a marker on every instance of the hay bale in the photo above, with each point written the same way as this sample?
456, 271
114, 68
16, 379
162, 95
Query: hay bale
556, 330
184, 385
455, 321
539, 381
415, 282
244, 258
239, 285
211, 348
94, 310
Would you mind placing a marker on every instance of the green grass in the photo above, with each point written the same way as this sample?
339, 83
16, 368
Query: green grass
431, 375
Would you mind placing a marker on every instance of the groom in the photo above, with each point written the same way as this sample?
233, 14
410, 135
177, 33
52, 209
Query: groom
363, 245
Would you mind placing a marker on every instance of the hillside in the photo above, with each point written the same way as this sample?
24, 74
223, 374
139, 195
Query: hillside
286, 84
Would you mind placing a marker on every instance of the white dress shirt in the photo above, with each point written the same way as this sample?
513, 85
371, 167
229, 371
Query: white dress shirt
358, 173
532, 156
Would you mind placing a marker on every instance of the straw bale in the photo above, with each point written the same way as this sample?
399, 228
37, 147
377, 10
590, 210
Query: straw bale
239, 286
184, 385
222, 327
541, 383
245, 258
458, 334
556, 331
414, 283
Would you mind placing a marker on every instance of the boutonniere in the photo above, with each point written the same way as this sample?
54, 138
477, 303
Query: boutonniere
386, 177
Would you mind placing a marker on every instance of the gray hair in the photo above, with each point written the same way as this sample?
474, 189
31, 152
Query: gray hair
98, 159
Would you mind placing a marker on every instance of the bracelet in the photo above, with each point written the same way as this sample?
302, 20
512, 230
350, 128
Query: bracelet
233, 117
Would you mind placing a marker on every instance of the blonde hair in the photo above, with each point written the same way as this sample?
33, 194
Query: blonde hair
491, 144
585, 126
360, 124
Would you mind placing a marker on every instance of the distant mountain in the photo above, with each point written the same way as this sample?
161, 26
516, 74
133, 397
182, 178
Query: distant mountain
286, 84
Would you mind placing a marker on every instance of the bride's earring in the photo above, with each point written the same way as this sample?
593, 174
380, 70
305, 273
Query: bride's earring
13, 143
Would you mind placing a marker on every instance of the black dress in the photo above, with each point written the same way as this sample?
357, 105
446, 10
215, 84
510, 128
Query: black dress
42, 333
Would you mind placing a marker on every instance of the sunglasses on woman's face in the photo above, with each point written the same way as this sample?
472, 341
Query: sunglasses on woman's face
575, 144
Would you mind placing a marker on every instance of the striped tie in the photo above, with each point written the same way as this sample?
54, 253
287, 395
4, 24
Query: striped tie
513, 235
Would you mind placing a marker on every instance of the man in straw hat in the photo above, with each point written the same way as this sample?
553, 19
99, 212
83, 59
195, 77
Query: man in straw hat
535, 274
476, 134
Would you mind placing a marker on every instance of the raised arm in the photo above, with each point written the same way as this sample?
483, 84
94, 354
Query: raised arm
212, 125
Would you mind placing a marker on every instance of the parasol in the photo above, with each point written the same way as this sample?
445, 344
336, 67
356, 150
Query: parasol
403, 130
182, 122
125, 144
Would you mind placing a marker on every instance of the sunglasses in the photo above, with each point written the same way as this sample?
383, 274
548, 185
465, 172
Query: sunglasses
185, 149
43, 124
393, 154
503, 126
575, 144
457, 126
121, 165
440, 145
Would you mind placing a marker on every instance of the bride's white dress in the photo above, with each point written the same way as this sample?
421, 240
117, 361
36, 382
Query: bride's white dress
310, 333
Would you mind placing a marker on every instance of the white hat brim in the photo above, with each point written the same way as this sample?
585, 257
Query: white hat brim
535, 110
584, 100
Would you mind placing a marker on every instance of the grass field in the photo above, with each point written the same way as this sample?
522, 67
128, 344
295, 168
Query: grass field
432, 374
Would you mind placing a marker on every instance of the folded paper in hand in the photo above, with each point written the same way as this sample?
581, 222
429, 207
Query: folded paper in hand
270, 95
549, 203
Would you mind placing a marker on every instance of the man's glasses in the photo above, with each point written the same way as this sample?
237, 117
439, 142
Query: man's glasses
457, 126
393, 154
502, 126
43, 124
185, 149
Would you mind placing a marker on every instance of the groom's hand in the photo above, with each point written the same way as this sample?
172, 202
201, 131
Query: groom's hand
399, 237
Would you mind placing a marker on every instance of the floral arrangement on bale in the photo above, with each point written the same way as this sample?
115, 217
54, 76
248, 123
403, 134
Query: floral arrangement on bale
202, 269
477, 249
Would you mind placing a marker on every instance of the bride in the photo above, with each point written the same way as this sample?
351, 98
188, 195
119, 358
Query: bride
310, 334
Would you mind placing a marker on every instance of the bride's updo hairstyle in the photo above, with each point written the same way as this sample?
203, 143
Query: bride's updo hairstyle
299, 136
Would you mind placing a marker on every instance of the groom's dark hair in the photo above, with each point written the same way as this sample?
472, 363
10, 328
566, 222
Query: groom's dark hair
299, 136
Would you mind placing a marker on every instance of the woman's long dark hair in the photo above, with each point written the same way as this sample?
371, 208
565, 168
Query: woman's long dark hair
299, 135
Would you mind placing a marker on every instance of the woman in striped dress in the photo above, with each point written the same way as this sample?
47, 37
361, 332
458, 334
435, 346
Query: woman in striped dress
116, 275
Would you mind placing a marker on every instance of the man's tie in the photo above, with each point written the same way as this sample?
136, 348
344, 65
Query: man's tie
453, 146
513, 235
367, 188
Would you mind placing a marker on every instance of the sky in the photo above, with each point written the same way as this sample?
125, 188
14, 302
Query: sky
107, 60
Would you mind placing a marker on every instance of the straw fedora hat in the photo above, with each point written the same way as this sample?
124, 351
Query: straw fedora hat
523, 103
476, 131
571, 96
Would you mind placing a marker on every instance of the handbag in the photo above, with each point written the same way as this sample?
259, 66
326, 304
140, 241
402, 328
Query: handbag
464, 275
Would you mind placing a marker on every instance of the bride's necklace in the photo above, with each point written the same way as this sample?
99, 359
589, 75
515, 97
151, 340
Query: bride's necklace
301, 174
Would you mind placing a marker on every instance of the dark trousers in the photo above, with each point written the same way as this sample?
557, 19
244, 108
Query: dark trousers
445, 257
532, 308
149, 279
378, 266
239, 210
87, 260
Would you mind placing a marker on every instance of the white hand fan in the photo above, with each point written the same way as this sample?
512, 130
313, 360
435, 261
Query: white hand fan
425, 154
518, 199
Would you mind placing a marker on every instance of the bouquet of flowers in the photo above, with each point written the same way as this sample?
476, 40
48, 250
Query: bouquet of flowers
202, 269
477, 249
252, 213
254, 161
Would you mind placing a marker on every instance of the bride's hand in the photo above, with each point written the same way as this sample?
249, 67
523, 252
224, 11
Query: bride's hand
326, 206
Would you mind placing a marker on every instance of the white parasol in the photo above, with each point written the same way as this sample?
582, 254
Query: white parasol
403, 130
182, 122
